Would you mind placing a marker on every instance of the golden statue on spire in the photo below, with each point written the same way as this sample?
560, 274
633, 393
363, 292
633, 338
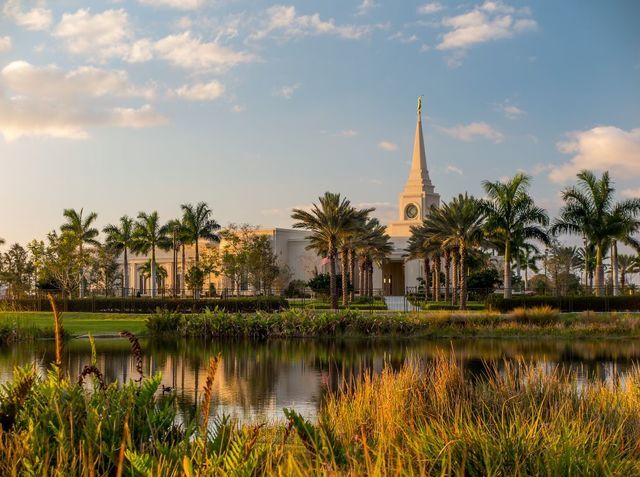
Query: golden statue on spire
419, 105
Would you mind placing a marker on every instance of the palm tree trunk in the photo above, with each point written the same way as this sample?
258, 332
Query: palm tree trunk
599, 285
454, 281
526, 276
333, 292
436, 281
81, 283
370, 271
196, 293
153, 271
623, 280
184, 266
507, 270
345, 275
427, 272
352, 273
125, 274
447, 275
614, 268
463, 276
361, 277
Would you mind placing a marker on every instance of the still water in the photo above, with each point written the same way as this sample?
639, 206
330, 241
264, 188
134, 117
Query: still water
255, 381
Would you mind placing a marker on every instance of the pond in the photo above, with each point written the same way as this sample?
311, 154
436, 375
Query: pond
255, 381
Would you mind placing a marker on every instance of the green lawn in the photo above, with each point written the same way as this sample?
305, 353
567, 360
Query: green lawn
78, 323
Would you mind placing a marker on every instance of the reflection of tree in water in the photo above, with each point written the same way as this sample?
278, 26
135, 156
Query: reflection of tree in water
259, 378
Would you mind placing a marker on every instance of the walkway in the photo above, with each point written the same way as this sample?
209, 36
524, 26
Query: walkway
395, 303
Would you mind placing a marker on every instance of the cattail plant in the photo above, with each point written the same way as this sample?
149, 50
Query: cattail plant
208, 391
91, 369
57, 326
136, 349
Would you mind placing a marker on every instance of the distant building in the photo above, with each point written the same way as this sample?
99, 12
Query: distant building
392, 278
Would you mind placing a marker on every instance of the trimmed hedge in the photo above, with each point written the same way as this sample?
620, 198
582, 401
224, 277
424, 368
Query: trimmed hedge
567, 303
150, 305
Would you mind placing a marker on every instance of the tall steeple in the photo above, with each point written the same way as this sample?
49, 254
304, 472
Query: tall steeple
419, 193
419, 174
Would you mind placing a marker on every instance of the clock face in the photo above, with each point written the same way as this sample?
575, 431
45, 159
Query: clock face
411, 211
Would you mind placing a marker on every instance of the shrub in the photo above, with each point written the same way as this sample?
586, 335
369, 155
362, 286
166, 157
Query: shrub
150, 305
567, 303
538, 315
163, 321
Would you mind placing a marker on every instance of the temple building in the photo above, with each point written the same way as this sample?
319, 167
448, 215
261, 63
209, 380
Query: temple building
391, 278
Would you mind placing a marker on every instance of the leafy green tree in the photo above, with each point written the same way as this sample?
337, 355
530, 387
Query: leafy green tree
148, 236
16, 270
513, 219
590, 210
628, 264
81, 228
328, 222
104, 269
120, 238
458, 224
63, 263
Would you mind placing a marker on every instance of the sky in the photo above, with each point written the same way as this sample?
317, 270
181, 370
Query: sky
256, 107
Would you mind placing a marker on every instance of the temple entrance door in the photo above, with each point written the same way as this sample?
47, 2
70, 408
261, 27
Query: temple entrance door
393, 278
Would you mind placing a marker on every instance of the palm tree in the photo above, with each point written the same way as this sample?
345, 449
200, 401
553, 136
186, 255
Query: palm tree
81, 229
422, 244
459, 225
180, 238
146, 271
529, 255
627, 264
513, 218
590, 211
120, 238
198, 224
149, 235
327, 222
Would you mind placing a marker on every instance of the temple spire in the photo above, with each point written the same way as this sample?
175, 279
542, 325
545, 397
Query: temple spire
419, 175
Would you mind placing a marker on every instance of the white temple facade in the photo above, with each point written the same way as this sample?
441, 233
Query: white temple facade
390, 278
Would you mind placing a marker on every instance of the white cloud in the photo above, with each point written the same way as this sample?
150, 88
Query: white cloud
430, 8
600, 149
99, 37
490, 21
86, 81
365, 6
403, 37
510, 111
201, 91
631, 193
237, 108
388, 146
176, 4
38, 18
471, 131
188, 52
109, 34
348, 133
47, 101
454, 169
286, 92
5, 43
283, 21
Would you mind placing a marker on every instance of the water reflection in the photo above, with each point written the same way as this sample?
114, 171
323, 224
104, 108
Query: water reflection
254, 381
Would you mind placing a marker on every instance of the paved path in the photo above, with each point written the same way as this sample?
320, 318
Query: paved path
395, 303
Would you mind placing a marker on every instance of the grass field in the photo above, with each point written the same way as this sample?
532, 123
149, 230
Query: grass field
76, 323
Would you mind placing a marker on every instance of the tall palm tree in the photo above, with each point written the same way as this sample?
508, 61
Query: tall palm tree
146, 270
422, 244
120, 238
513, 219
198, 224
81, 228
627, 264
327, 222
459, 224
149, 235
590, 211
